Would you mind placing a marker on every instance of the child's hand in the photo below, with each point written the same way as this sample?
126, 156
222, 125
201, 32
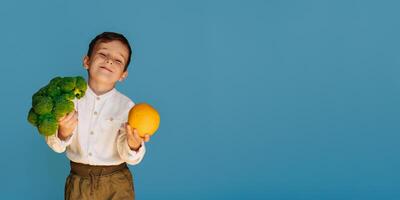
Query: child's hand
134, 140
67, 124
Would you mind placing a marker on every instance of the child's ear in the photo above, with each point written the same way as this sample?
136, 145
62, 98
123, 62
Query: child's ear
123, 76
86, 62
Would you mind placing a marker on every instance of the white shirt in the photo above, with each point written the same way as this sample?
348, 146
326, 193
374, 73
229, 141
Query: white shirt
96, 139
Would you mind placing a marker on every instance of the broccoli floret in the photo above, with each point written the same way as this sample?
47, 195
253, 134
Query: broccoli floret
42, 105
41, 92
55, 81
53, 90
68, 95
62, 107
36, 98
67, 84
47, 125
32, 117
80, 87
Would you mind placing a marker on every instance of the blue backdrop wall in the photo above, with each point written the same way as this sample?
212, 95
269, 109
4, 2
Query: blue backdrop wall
258, 99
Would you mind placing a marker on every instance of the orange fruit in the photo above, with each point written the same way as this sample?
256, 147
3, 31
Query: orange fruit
144, 118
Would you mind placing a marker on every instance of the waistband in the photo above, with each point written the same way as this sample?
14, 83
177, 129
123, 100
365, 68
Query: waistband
86, 170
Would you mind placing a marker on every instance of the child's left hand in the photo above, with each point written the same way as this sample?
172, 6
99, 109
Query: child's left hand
133, 138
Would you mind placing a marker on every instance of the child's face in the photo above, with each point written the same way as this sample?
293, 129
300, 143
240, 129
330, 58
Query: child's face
107, 62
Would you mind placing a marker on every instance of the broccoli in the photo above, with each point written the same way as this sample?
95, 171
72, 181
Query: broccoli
32, 117
67, 84
53, 90
80, 87
41, 92
48, 124
54, 101
56, 80
43, 105
62, 107
68, 95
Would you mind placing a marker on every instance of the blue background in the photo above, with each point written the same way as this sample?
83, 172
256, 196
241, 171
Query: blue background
258, 99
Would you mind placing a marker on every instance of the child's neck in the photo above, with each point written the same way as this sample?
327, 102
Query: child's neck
100, 88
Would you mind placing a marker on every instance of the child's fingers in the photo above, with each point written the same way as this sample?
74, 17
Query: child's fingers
74, 116
136, 136
129, 131
146, 138
72, 119
68, 117
128, 128
62, 118
74, 123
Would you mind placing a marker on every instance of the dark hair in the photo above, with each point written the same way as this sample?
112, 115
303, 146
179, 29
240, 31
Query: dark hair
108, 37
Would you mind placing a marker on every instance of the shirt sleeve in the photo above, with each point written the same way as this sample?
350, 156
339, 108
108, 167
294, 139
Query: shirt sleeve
57, 144
126, 153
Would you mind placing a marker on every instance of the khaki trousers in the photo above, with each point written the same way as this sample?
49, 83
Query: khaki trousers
99, 182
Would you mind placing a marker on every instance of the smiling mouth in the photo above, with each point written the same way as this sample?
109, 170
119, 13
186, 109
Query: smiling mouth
105, 68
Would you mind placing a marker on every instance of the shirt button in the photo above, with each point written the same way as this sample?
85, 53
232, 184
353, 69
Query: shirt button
90, 154
91, 133
95, 113
98, 98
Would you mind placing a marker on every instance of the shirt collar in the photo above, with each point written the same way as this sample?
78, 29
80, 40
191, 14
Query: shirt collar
100, 97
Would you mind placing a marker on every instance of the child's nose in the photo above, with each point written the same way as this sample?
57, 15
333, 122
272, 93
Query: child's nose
108, 60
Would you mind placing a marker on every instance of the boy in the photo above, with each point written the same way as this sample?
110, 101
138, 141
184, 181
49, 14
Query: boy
98, 141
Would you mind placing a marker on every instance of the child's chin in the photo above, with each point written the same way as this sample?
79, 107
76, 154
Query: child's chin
102, 77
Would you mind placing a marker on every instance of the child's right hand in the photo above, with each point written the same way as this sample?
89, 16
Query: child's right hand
67, 124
